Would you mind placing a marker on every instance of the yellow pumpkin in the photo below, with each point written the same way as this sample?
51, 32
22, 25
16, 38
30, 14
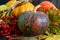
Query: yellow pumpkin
24, 7
10, 3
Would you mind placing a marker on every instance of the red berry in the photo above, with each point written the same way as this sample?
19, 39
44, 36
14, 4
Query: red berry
3, 34
9, 38
6, 31
13, 29
6, 34
5, 26
1, 31
3, 17
15, 35
11, 17
13, 22
0, 25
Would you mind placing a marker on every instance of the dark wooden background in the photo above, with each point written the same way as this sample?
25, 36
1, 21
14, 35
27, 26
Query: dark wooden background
35, 2
55, 2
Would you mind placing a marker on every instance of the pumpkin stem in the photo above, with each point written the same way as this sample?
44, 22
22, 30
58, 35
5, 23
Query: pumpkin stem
36, 8
16, 3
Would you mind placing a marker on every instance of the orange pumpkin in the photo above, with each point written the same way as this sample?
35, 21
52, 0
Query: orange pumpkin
46, 5
24, 7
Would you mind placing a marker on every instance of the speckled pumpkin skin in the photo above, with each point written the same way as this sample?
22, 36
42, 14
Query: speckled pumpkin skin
33, 23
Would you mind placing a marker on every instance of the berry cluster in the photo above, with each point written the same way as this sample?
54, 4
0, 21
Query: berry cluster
8, 25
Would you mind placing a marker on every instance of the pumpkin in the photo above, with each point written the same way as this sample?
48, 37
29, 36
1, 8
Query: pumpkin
10, 3
46, 5
26, 6
33, 23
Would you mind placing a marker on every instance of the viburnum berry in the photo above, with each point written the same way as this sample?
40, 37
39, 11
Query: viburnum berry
3, 18
5, 26
13, 22
0, 25
9, 28
1, 32
14, 35
9, 38
11, 17
6, 31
